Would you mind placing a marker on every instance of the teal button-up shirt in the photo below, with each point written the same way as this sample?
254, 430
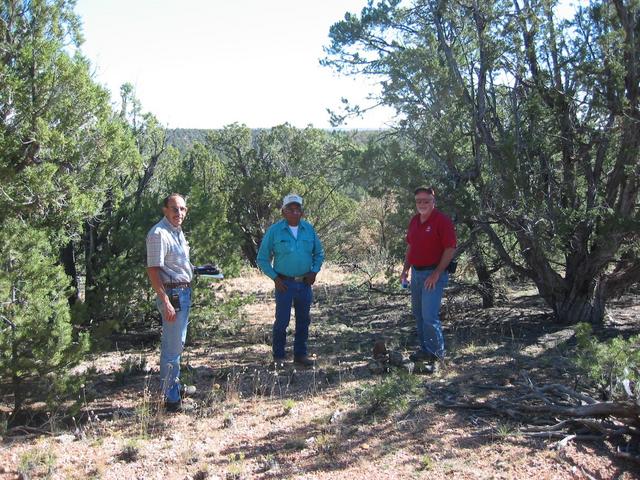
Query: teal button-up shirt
291, 256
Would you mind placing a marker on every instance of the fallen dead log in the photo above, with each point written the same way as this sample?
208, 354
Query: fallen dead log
555, 411
627, 456
601, 409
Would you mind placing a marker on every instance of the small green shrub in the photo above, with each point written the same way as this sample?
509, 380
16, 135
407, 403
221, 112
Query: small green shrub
236, 466
37, 463
390, 394
129, 452
426, 462
288, 405
213, 317
609, 364
506, 429
132, 366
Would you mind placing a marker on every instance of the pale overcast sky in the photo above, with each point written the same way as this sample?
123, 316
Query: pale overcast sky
209, 63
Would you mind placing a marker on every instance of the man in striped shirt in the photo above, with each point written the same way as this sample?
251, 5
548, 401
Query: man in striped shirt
170, 272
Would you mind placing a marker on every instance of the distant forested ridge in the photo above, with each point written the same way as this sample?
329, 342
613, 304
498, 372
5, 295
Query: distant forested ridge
184, 138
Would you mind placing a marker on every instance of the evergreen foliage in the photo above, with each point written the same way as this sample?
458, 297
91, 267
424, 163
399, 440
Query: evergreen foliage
529, 122
58, 144
613, 366
37, 339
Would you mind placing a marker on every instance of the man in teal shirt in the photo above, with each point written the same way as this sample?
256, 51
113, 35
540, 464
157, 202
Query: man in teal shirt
297, 256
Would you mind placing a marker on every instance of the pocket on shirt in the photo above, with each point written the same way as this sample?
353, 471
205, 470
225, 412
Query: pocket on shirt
283, 246
307, 245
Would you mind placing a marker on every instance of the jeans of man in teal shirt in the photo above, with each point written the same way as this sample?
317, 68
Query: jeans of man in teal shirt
292, 257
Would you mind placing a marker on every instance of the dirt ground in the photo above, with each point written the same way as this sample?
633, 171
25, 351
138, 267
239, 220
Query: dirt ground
338, 419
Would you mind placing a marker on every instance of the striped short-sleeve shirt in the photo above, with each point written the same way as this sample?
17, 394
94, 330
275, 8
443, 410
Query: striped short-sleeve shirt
168, 249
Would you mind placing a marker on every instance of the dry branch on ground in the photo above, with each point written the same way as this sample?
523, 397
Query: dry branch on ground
555, 411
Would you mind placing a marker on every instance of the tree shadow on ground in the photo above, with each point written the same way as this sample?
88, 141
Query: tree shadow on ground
490, 351
487, 352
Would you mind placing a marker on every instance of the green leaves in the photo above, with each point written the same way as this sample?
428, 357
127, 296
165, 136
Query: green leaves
611, 364
34, 299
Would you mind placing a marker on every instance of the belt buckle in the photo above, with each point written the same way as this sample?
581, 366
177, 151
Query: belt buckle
298, 279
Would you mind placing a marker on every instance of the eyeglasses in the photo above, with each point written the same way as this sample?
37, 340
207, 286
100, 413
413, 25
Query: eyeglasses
293, 210
177, 209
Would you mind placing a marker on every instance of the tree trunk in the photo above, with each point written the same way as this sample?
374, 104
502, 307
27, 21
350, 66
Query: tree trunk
18, 393
485, 282
68, 258
250, 253
586, 305
583, 300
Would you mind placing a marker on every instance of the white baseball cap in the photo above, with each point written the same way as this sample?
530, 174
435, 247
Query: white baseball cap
291, 198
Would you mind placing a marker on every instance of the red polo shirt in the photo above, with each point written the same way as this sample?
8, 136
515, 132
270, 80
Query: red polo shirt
428, 240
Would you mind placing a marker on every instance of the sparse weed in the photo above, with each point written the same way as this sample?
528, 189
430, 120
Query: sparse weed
268, 463
216, 317
236, 468
613, 366
129, 452
326, 443
258, 335
288, 405
506, 429
143, 413
470, 349
37, 463
233, 390
227, 419
259, 382
212, 401
426, 462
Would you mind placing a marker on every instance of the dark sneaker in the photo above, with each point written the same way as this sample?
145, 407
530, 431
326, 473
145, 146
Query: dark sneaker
277, 364
303, 360
172, 407
426, 368
179, 407
422, 356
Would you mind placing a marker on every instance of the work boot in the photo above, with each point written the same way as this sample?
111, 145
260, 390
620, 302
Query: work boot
277, 364
179, 407
303, 360
422, 356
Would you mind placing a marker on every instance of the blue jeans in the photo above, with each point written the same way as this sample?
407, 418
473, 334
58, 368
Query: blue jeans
425, 305
174, 335
299, 295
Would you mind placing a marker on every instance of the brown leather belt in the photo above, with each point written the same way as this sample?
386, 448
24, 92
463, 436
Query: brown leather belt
426, 267
295, 279
169, 286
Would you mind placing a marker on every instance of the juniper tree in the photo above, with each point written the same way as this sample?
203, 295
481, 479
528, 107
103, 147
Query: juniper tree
532, 118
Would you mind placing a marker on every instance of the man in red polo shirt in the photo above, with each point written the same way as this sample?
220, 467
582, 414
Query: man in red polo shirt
431, 245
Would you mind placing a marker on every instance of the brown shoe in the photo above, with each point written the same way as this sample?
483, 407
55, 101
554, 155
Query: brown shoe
277, 364
303, 360
179, 407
